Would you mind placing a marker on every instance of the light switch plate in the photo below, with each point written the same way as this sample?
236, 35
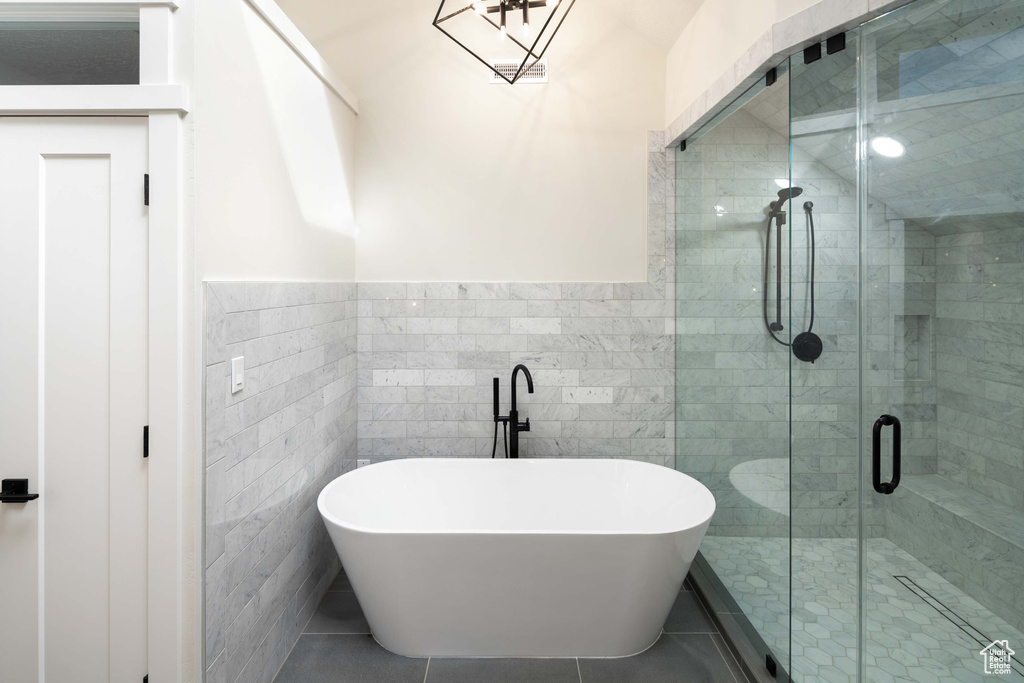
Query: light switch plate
237, 374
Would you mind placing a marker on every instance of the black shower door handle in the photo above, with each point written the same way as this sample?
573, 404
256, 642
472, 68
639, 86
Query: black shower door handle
876, 454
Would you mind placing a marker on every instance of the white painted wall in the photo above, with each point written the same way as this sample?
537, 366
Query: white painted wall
459, 180
274, 157
719, 33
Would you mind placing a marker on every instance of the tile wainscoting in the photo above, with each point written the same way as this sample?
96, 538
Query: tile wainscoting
601, 355
270, 449
602, 358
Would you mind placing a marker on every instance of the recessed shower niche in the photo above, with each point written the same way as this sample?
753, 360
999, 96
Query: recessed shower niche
912, 348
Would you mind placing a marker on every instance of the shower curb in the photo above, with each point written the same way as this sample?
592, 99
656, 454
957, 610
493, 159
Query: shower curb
740, 647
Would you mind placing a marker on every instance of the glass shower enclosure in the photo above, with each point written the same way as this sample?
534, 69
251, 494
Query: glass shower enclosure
850, 349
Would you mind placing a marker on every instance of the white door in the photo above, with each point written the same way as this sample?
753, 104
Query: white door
73, 398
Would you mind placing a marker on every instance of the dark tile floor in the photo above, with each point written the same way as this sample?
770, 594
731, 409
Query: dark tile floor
337, 647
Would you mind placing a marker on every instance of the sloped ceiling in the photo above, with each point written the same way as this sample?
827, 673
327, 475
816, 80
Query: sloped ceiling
948, 86
659, 21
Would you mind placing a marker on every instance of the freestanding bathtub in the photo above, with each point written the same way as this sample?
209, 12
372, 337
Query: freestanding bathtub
516, 558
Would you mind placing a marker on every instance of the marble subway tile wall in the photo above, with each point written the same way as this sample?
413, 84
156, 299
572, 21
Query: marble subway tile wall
600, 354
269, 450
981, 362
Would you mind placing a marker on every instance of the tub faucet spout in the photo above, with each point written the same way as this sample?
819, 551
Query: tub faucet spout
514, 425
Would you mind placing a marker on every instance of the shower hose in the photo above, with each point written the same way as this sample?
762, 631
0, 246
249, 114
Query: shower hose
504, 437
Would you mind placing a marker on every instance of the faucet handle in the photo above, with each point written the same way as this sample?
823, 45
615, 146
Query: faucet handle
525, 426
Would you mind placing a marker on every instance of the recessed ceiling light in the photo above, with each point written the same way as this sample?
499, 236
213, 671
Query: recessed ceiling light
782, 182
888, 147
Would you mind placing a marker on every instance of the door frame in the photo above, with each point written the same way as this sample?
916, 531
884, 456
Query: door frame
165, 103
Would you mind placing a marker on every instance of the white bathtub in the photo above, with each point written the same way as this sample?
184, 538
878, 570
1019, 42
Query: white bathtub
516, 558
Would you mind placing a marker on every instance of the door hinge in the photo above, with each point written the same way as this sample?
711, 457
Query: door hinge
769, 664
145, 441
836, 43
145, 190
812, 53
833, 44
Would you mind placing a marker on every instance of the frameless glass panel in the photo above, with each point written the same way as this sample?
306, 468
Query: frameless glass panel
732, 379
823, 236
69, 53
935, 47
942, 134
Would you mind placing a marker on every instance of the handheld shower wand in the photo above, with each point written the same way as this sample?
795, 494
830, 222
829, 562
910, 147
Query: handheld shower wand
498, 419
777, 211
806, 346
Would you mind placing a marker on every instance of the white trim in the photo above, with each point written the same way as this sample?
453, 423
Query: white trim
85, 4
25, 100
155, 46
167, 394
27, 14
73, 10
289, 33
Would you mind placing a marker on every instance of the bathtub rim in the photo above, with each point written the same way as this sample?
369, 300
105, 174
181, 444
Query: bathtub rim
701, 521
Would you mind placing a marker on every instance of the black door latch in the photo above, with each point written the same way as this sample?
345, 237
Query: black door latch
16, 491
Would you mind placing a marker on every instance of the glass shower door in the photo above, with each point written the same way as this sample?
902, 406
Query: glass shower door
823, 238
941, 190
732, 377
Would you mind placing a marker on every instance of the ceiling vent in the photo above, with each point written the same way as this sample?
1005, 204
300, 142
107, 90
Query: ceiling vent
538, 73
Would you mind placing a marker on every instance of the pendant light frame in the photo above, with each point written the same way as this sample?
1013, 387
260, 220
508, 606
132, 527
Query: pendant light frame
534, 53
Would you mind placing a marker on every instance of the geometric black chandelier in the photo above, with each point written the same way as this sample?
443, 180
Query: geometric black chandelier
511, 29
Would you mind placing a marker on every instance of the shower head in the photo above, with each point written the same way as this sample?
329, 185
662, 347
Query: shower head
777, 208
787, 193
